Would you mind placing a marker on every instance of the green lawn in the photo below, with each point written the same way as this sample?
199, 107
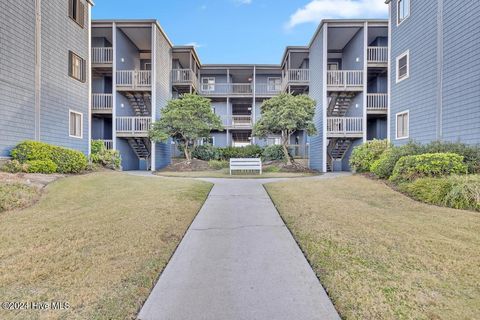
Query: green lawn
224, 173
382, 255
96, 241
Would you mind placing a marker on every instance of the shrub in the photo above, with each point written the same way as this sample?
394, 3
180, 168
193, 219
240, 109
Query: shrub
206, 152
250, 151
272, 169
428, 165
67, 160
106, 158
364, 155
383, 166
14, 166
274, 152
41, 166
218, 164
471, 154
459, 192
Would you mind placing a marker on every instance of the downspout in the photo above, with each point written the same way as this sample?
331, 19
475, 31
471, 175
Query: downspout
38, 66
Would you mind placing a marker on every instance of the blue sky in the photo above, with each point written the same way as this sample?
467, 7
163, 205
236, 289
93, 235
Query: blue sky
239, 31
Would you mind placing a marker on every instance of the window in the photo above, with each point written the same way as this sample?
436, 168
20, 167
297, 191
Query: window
403, 66
403, 10
208, 84
403, 125
76, 11
274, 84
76, 67
76, 122
205, 141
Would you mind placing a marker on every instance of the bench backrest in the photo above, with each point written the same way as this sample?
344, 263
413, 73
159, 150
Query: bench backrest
245, 163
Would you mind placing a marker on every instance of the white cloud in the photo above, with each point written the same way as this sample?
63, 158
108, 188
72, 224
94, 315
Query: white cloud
316, 10
195, 45
240, 2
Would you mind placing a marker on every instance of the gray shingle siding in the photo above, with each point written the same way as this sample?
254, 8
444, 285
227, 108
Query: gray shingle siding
457, 115
316, 93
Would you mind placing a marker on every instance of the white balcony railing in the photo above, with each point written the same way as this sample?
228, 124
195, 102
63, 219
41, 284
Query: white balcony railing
184, 76
377, 101
377, 54
238, 121
345, 126
133, 125
345, 78
298, 75
102, 101
134, 78
226, 89
267, 89
102, 55
108, 144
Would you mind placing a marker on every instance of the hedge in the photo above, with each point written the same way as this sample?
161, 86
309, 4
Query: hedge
364, 155
459, 192
409, 168
470, 153
41, 166
383, 166
67, 160
274, 152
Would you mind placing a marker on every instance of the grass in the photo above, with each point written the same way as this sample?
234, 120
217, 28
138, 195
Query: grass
96, 241
382, 255
224, 173
17, 195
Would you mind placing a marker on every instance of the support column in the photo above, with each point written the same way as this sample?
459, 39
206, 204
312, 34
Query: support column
254, 111
114, 86
365, 79
153, 158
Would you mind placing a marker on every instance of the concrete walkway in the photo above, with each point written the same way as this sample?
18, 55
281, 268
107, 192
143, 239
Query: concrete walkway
238, 261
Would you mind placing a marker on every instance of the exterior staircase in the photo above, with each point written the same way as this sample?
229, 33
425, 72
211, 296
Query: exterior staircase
337, 148
141, 102
141, 147
339, 104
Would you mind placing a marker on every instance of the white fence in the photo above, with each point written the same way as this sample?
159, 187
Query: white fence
134, 78
226, 88
345, 78
186, 76
133, 125
377, 101
237, 121
377, 54
298, 75
102, 55
344, 125
102, 101
108, 144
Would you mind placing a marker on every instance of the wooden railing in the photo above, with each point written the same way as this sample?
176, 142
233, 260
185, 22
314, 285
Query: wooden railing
345, 78
186, 76
102, 55
108, 144
133, 125
102, 101
377, 54
264, 88
226, 89
239, 121
298, 75
134, 78
344, 125
377, 101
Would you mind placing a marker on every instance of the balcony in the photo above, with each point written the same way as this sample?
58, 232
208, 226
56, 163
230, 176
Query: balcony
377, 103
226, 89
133, 126
344, 127
184, 77
264, 89
237, 122
102, 103
108, 144
102, 55
377, 56
140, 80
345, 80
296, 77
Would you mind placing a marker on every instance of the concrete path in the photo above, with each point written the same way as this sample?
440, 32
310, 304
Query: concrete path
238, 261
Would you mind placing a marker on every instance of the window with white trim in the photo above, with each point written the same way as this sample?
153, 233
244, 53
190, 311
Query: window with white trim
205, 141
208, 84
274, 84
76, 124
403, 10
403, 123
403, 66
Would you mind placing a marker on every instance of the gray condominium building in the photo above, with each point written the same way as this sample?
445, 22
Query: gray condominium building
435, 78
45, 73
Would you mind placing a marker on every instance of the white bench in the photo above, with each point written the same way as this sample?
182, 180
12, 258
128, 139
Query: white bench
246, 164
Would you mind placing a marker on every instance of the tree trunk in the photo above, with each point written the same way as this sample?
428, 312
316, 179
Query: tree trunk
187, 153
285, 140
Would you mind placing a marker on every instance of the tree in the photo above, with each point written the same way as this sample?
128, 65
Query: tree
186, 120
285, 114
